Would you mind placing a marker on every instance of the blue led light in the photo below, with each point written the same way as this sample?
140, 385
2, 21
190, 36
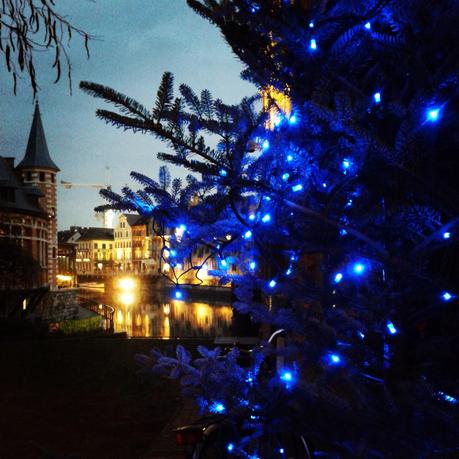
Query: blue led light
278, 120
182, 227
272, 283
252, 217
358, 268
224, 263
248, 234
377, 97
311, 24
368, 26
223, 173
296, 188
230, 447
446, 296
286, 376
361, 335
266, 218
433, 115
281, 450
252, 265
265, 145
172, 253
178, 294
392, 329
288, 272
346, 164
217, 407
289, 158
338, 278
313, 44
293, 119
334, 359
446, 235
342, 232
285, 176
447, 398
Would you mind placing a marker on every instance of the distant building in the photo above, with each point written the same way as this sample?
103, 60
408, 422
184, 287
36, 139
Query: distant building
123, 242
142, 256
28, 205
66, 256
94, 250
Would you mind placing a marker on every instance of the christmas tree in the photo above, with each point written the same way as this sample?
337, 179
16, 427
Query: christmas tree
340, 208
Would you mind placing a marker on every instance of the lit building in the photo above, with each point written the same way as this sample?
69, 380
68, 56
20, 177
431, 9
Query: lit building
123, 241
95, 251
28, 209
142, 234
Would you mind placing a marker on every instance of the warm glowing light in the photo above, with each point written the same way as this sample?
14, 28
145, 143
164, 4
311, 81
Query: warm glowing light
127, 283
64, 278
127, 298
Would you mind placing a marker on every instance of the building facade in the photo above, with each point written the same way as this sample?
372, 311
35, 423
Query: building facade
28, 202
95, 251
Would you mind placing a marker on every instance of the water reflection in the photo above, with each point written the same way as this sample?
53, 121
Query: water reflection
142, 313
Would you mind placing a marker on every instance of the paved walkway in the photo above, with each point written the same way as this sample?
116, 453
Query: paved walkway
164, 445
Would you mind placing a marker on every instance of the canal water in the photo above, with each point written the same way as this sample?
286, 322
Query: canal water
144, 312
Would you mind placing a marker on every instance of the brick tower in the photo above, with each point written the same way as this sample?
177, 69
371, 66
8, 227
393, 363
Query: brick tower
38, 168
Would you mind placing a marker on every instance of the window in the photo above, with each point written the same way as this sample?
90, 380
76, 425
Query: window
29, 176
104, 246
53, 178
42, 176
54, 252
111, 246
95, 245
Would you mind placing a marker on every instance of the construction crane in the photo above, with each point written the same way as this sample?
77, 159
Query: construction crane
108, 215
69, 185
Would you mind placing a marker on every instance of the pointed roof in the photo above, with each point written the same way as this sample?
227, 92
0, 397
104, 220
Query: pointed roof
37, 154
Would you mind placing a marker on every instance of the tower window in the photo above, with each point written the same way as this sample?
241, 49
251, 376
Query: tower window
42, 176
29, 176
53, 178
54, 252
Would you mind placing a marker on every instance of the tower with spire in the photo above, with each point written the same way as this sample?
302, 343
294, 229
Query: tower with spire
39, 170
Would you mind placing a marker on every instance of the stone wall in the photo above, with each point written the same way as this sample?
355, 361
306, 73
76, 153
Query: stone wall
59, 305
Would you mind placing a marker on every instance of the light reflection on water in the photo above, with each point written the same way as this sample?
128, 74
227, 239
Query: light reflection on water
155, 314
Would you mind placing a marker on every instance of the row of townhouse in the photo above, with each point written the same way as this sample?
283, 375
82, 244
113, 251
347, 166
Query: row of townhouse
131, 247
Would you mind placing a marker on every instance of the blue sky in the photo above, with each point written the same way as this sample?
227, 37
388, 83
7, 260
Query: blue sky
139, 40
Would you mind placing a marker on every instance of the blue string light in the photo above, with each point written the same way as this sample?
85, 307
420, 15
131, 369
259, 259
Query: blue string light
223, 173
338, 278
248, 234
292, 120
297, 188
358, 268
342, 232
224, 263
277, 120
286, 376
368, 26
446, 397
346, 164
391, 328
433, 115
265, 145
313, 44
178, 294
377, 97
252, 217
266, 218
311, 25
333, 359
289, 158
272, 283
446, 235
446, 296
230, 447
285, 176
281, 450
252, 265
217, 407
